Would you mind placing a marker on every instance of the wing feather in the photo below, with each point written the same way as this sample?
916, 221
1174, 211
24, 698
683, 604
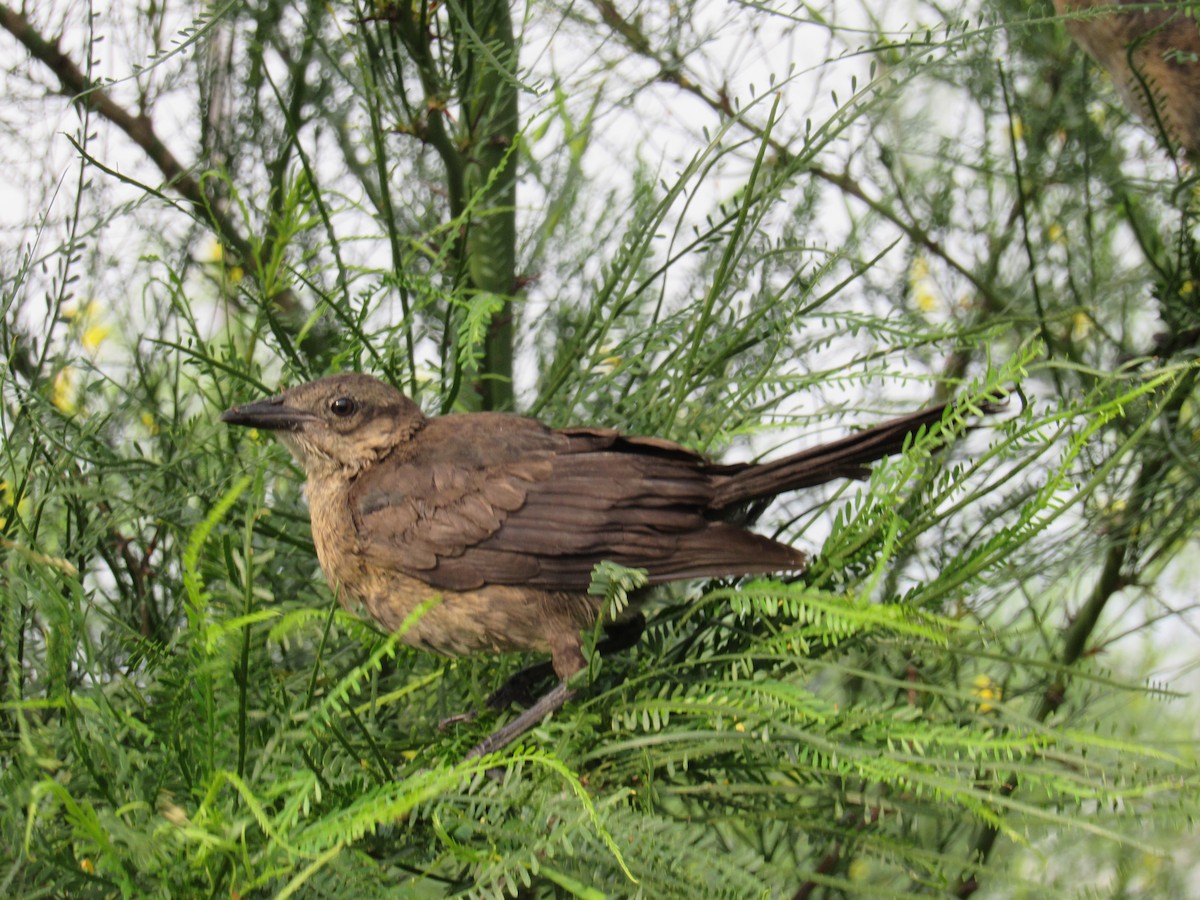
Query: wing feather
494, 499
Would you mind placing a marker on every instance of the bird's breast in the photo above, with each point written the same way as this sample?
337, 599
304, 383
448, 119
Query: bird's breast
491, 619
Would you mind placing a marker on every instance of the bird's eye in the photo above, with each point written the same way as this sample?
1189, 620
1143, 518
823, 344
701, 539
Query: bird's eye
342, 406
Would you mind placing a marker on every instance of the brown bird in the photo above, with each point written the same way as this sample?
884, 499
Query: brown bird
505, 518
1152, 52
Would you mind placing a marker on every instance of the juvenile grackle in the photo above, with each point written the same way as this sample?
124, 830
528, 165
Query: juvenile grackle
505, 518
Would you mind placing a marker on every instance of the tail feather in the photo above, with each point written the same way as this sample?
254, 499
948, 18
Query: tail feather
845, 458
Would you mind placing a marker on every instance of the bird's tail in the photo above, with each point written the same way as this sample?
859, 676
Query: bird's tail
845, 458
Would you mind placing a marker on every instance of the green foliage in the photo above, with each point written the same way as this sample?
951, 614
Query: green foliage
966, 690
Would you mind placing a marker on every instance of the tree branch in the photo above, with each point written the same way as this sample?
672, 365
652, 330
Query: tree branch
1121, 556
139, 129
670, 71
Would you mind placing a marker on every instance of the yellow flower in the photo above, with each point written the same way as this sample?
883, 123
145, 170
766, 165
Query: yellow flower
64, 391
1185, 289
94, 336
91, 310
7, 496
88, 866
149, 422
218, 265
216, 252
987, 690
1018, 129
608, 361
87, 324
921, 285
1081, 326
859, 870
1055, 232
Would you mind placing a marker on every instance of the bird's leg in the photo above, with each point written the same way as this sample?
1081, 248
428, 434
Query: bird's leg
567, 661
518, 689
502, 737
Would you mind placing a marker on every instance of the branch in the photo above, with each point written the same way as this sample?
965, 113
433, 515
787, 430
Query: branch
671, 72
80, 88
1114, 577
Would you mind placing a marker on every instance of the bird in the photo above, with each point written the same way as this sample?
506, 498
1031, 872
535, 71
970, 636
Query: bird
500, 520
1152, 52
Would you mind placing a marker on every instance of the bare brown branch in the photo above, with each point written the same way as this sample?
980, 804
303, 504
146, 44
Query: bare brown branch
140, 129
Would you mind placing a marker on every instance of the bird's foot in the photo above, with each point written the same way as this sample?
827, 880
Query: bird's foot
518, 689
502, 737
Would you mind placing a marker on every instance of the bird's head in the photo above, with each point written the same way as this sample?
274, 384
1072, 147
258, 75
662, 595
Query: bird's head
339, 423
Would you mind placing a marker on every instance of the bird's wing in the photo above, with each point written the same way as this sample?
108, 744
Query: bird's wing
503, 500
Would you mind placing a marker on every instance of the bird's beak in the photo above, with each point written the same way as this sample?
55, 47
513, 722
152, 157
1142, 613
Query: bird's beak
271, 414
